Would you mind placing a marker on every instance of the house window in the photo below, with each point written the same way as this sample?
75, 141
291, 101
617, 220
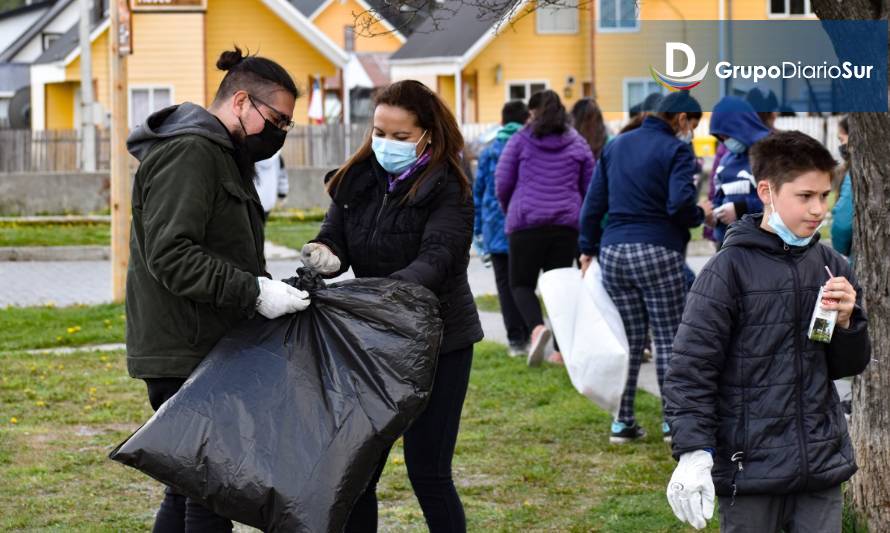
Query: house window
557, 16
617, 15
47, 39
523, 90
637, 89
146, 100
349, 38
789, 8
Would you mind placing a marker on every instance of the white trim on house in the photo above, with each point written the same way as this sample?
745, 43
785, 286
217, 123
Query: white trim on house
401, 71
74, 54
41, 75
296, 20
367, 7
490, 35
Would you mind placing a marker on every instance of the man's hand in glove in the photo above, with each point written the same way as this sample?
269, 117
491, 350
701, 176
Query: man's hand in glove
320, 258
691, 490
278, 298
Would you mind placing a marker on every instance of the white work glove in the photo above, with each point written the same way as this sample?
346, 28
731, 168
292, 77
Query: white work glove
319, 258
278, 298
691, 490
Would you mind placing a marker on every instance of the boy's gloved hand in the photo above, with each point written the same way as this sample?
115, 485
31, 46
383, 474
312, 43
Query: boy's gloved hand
278, 298
691, 490
320, 258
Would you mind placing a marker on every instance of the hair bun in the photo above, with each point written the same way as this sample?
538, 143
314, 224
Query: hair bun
229, 59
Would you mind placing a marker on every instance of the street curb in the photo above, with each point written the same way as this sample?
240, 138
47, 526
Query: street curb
57, 219
55, 253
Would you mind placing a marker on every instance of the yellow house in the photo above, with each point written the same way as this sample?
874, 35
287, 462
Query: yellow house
174, 58
356, 25
624, 28
477, 63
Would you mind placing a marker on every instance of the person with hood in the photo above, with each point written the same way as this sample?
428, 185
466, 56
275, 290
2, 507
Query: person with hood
749, 394
540, 182
488, 227
196, 251
644, 182
737, 126
402, 208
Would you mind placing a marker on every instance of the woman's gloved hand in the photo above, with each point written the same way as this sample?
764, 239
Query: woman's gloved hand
278, 298
320, 258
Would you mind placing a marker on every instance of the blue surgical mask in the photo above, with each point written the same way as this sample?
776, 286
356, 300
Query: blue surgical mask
784, 233
735, 146
395, 156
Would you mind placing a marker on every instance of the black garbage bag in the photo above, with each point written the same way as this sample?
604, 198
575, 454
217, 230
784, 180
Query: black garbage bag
282, 425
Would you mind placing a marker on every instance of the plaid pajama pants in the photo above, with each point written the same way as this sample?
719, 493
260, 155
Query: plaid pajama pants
648, 286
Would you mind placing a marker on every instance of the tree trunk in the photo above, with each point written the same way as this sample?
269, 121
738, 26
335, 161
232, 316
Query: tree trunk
871, 244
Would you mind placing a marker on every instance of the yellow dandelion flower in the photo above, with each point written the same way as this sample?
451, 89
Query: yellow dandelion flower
92, 391
108, 366
13, 420
61, 367
87, 407
40, 403
103, 358
398, 460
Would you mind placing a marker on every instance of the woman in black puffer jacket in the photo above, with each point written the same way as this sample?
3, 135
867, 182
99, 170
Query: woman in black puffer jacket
402, 209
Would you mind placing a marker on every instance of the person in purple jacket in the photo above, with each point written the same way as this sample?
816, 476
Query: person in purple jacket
540, 181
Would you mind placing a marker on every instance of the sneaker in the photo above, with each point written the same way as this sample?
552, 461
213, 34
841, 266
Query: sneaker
666, 432
517, 349
540, 338
622, 433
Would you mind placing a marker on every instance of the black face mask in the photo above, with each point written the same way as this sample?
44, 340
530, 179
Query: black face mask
845, 152
264, 144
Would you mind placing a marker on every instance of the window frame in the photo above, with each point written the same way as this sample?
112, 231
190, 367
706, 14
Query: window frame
606, 29
808, 10
528, 88
151, 88
625, 89
575, 31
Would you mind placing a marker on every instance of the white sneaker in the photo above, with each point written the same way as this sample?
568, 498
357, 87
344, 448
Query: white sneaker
540, 337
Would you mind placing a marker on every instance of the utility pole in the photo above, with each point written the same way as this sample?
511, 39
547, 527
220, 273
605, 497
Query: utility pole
120, 164
87, 126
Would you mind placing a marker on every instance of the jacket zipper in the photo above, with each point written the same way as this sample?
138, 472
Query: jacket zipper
798, 353
379, 214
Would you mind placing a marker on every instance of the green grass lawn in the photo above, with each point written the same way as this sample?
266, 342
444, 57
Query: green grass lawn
291, 233
533, 455
16, 234
24, 328
287, 231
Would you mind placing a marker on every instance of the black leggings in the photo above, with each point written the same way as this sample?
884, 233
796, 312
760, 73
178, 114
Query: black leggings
517, 333
179, 514
429, 447
531, 251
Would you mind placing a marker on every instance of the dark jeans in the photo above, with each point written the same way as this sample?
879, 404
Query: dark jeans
179, 514
517, 333
429, 447
531, 251
805, 512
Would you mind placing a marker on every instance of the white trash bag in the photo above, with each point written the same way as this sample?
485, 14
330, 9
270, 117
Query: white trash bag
590, 333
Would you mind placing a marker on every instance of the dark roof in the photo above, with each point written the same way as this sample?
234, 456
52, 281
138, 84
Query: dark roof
21, 10
387, 9
450, 32
64, 45
34, 30
14, 76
